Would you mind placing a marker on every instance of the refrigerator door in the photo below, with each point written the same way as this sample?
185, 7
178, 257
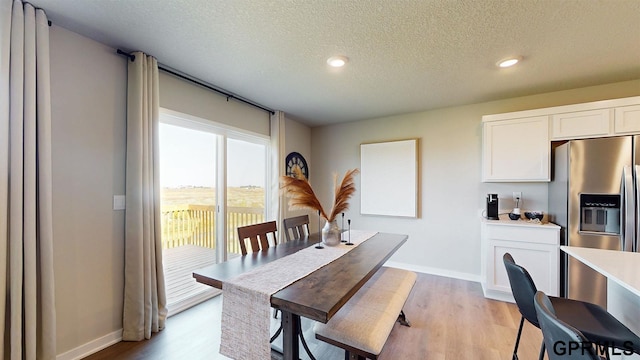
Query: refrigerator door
595, 167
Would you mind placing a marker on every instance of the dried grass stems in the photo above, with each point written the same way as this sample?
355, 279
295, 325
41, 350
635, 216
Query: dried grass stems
301, 195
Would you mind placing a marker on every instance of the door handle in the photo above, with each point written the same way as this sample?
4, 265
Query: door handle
627, 236
634, 243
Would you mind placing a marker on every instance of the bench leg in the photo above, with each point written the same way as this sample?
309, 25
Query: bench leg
402, 318
351, 356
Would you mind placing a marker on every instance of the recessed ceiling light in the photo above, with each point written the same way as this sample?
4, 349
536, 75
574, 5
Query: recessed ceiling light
509, 62
337, 61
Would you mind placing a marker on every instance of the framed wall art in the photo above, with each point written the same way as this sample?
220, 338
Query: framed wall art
389, 178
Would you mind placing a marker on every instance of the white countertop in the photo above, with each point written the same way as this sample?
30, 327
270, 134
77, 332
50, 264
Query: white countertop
620, 266
504, 220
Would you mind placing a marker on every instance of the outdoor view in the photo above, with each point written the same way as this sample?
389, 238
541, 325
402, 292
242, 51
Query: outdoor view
188, 171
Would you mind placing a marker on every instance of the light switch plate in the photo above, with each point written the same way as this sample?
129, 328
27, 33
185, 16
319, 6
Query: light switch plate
119, 202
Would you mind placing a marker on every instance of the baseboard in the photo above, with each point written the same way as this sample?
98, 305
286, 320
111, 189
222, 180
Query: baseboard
435, 271
92, 347
498, 295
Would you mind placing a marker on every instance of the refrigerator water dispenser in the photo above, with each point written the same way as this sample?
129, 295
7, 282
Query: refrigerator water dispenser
600, 213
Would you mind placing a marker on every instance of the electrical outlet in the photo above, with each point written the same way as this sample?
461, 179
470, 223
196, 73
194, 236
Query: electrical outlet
517, 195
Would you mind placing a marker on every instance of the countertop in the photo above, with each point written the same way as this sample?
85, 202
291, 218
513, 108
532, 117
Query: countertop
504, 220
620, 266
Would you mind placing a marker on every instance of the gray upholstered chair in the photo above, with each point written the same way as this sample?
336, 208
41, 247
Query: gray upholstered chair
563, 341
594, 322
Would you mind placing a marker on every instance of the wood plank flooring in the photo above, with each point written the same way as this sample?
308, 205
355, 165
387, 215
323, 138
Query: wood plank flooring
450, 320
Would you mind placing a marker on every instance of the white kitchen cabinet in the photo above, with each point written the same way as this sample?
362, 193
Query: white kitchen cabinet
516, 150
627, 120
534, 246
581, 124
516, 146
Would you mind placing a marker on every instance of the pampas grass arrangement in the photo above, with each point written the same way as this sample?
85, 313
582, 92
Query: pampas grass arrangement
301, 195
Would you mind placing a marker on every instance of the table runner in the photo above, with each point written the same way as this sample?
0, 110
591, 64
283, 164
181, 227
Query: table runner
246, 301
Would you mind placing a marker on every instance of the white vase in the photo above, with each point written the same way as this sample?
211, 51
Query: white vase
331, 233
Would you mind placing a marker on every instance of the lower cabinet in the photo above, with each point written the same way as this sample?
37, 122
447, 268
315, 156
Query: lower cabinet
536, 247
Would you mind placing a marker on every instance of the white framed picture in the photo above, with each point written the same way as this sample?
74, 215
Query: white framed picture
389, 178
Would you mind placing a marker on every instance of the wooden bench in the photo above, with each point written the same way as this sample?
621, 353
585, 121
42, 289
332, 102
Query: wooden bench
361, 327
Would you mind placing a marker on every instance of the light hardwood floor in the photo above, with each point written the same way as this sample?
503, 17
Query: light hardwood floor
450, 320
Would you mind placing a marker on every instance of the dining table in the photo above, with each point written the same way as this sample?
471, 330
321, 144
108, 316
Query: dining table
320, 294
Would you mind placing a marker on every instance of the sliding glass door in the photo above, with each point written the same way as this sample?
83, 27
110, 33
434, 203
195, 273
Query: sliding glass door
213, 179
246, 184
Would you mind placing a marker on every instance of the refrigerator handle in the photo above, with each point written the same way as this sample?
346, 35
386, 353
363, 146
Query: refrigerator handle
627, 236
636, 219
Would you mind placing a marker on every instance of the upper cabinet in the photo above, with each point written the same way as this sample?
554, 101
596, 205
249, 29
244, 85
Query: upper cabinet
627, 120
602, 121
516, 147
581, 124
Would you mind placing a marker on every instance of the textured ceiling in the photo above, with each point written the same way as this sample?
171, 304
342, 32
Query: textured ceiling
405, 55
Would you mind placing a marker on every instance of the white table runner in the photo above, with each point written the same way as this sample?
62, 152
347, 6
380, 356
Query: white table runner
246, 300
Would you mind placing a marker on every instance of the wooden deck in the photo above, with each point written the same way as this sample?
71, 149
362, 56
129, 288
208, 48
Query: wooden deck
182, 289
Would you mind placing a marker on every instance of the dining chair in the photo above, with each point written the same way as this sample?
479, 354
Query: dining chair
594, 322
563, 340
258, 235
296, 227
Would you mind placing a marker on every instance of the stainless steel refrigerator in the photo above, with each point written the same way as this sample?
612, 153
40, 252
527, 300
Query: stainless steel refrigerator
593, 196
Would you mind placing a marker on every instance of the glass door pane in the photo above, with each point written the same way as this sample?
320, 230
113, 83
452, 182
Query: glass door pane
188, 207
246, 183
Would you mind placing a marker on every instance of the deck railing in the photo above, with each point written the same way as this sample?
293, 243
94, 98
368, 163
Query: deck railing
196, 225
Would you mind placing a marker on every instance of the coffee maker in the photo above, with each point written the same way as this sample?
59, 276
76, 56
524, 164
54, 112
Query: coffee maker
492, 206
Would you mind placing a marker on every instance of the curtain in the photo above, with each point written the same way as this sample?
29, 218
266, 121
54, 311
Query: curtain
277, 136
145, 303
27, 306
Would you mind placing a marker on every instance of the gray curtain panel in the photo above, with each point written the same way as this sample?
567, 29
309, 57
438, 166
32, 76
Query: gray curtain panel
145, 300
27, 303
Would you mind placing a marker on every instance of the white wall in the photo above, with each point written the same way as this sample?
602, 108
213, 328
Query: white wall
445, 239
88, 95
188, 98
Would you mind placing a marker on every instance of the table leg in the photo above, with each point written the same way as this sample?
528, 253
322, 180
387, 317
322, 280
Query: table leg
290, 328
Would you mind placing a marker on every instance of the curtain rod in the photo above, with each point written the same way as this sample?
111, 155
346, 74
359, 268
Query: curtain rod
203, 84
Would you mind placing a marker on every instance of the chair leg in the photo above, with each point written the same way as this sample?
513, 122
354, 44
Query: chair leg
542, 348
515, 349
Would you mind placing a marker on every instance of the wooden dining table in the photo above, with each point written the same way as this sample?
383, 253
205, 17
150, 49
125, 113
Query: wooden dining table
317, 296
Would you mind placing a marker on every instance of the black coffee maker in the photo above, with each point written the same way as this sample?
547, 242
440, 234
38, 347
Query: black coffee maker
492, 206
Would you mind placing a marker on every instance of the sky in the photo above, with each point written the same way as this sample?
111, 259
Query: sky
188, 158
